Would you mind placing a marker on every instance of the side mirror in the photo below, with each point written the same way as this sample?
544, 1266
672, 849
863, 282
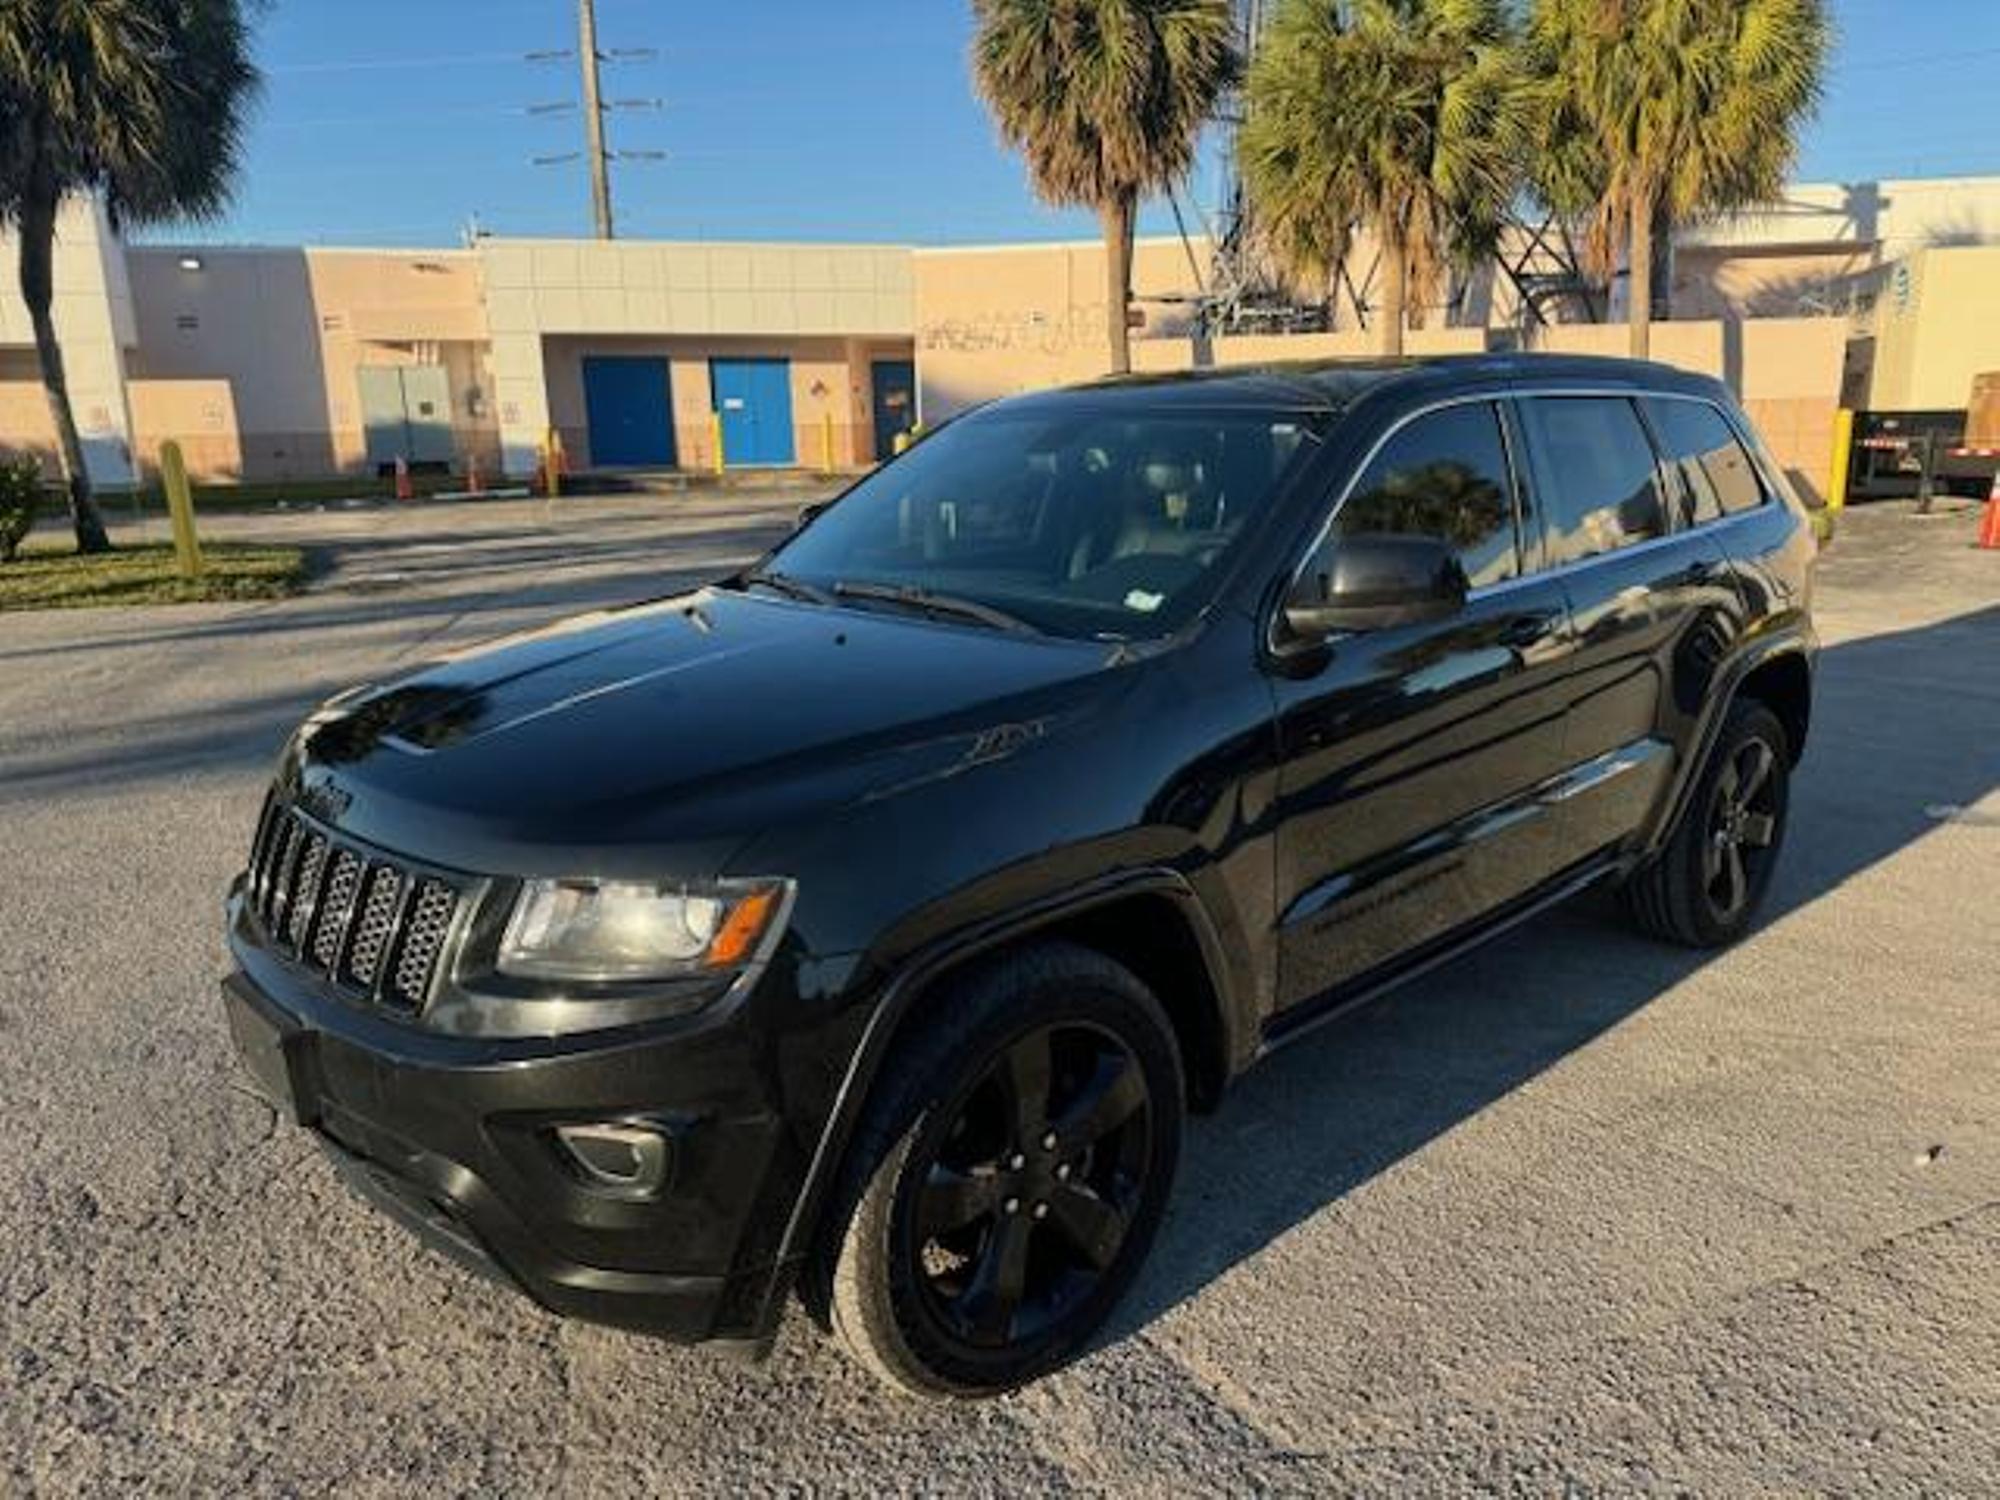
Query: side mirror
808, 512
1370, 582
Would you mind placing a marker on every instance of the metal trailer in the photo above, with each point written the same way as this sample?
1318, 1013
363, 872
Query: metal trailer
1903, 453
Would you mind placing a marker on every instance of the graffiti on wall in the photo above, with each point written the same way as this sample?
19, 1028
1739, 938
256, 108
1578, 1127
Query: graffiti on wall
1078, 326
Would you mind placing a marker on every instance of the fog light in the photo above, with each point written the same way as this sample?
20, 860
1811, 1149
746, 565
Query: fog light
621, 1160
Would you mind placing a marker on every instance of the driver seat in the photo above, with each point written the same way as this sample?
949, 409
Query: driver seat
1166, 512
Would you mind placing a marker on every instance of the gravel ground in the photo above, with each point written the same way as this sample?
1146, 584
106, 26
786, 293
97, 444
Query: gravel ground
1577, 1214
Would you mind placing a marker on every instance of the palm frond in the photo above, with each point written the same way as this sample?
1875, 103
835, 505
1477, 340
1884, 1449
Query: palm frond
1103, 98
1693, 106
1407, 117
143, 101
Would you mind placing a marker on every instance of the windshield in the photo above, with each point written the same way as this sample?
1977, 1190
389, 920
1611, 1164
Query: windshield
1077, 522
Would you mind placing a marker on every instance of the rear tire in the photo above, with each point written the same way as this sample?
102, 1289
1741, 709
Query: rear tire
1009, 1178
1704, 888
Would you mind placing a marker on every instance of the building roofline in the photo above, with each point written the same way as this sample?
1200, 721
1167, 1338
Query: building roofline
1031, 245
204, 247
1906, 184
585, 241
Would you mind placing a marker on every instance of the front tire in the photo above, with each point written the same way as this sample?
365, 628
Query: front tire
1009, 1179
1704, 888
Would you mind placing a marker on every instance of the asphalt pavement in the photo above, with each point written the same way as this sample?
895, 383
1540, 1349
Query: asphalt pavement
1577, 1214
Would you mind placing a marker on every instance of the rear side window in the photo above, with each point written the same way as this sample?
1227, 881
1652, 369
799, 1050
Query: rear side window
1594, 474
1443, 475
1716, 474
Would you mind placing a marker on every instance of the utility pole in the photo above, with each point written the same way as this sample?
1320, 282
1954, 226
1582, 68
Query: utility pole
596, 110
593, 116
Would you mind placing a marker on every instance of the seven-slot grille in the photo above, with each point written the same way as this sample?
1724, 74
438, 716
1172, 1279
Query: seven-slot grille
372, 925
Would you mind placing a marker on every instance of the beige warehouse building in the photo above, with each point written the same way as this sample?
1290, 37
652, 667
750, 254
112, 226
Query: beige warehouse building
285, 362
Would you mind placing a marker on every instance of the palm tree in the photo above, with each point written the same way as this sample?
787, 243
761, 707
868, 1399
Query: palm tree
140, 101
1655, 112
1106, 99
1403, 116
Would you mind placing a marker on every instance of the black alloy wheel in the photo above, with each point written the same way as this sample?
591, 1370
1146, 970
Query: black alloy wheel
1705, 885
1009, 1176
1026, 1195
1742, 828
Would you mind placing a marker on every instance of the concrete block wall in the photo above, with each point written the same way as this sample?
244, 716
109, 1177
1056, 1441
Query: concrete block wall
288, 330
547, 300
830, 381
26, 428
1786, 371
198, 414
995, 321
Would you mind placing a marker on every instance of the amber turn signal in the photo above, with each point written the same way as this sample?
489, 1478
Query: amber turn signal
737, 938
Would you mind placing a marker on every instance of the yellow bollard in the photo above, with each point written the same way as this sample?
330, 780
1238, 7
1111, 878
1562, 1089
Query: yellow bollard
1843, 459
180, 506
900, 443
715, 437
826, 442
552, 462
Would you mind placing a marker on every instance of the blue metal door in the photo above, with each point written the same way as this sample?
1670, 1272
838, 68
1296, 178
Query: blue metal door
754, 399
630, 407
895, 402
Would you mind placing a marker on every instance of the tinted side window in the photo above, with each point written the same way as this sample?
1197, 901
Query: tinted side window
1718, 474
1443, 475
1594, 473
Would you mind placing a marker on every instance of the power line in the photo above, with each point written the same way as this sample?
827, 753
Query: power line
638, 54
383, 64
596, 109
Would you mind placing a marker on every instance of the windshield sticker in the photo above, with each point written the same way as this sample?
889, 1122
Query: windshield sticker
1144, 602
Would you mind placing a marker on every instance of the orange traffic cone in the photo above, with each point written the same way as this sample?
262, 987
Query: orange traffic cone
403, 489
1989, 525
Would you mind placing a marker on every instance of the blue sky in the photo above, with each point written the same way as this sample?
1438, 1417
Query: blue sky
395, 121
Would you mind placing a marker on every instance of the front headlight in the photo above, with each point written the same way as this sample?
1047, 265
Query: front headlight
611, 930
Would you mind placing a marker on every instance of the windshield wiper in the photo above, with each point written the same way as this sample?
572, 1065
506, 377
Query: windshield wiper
909, 595
790, 587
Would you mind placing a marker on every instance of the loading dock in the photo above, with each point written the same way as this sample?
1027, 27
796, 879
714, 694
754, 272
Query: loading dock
628, 404
753, 397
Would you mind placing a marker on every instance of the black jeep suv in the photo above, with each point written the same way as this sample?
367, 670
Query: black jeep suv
863, 925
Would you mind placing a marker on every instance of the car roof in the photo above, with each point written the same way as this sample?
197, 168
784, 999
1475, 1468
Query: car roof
1335, 384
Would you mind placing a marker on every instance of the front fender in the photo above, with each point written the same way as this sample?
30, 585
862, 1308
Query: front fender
897, 995
1794, 637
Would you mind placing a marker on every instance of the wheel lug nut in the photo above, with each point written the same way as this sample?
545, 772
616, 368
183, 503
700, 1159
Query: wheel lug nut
1041, 1210
1062, 1172
1011, 1206
1016, 1162
1049, 1141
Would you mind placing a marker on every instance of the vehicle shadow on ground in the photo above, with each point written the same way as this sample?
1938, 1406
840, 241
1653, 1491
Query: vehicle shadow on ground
1906, 730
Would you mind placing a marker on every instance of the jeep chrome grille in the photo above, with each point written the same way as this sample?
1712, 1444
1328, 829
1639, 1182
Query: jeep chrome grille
373, 925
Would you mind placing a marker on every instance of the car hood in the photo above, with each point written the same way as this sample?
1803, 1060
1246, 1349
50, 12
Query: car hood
590, 746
